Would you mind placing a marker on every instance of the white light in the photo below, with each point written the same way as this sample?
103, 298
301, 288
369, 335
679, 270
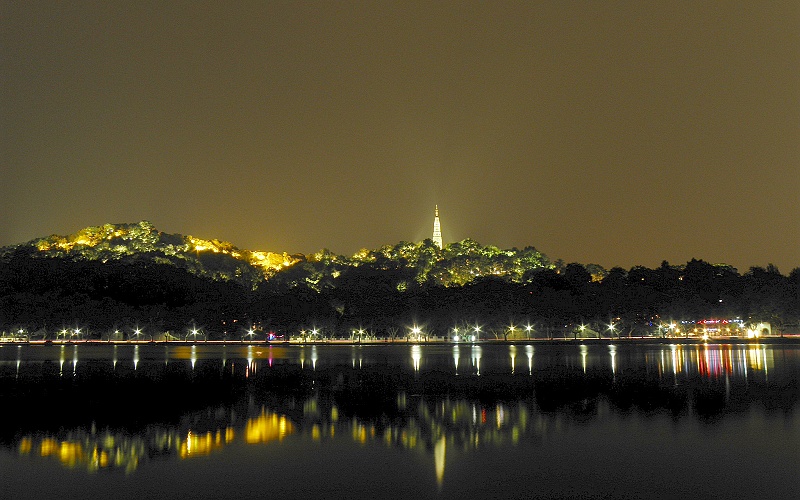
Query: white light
416, 356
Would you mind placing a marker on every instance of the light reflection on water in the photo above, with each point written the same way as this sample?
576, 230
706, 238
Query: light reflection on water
109, 450
485, 400
708, 360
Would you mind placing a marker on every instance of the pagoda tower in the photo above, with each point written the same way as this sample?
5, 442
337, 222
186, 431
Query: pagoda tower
437, 228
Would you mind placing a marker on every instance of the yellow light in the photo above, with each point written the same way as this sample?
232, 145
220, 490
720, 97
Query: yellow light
69, 453
48, 447
267, 427
25, 446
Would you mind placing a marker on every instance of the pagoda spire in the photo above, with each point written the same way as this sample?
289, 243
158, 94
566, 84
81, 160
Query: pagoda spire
437, 228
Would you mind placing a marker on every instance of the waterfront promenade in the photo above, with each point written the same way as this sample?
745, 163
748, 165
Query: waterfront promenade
789, 338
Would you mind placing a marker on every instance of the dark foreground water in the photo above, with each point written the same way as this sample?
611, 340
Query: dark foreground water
406, 421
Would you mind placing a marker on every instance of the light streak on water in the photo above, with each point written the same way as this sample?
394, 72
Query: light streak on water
529, 353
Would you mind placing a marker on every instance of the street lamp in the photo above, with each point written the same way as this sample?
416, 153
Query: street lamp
477, 333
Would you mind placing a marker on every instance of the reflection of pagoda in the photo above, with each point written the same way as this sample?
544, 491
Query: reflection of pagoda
437, 228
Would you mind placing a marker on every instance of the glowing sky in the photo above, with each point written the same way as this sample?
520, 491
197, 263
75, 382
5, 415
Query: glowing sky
619, 133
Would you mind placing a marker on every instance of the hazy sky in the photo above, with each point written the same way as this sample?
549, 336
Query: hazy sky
618, 133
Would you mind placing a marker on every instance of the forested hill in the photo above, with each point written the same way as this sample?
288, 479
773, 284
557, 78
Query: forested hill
118, 277
143, 243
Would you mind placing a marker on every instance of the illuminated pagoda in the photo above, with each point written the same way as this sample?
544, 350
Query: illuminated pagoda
437, 228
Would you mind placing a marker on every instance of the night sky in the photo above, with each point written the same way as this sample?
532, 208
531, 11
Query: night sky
616, 133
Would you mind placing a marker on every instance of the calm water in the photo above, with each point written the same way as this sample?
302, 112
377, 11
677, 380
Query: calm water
430, 421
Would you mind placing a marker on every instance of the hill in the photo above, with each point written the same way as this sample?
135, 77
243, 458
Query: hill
117, 279
215, 259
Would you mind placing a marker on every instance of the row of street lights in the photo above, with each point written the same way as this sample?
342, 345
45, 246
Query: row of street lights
416, 332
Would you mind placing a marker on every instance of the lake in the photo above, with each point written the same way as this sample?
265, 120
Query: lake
488, 420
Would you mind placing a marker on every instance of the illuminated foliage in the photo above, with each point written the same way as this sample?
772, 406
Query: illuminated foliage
126, 275
217, 259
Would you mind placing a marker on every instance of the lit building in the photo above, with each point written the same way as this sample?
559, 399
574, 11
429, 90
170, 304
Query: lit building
437, 228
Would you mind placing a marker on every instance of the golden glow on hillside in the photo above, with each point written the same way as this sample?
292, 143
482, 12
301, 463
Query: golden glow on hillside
271, 260
268, 261
144, 237
88, 237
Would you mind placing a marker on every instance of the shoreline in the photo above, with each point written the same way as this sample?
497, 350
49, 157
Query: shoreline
786, 339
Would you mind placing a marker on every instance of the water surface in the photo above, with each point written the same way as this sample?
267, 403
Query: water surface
428, 421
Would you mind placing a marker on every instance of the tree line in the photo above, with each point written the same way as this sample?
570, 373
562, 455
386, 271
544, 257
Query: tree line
383, 292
